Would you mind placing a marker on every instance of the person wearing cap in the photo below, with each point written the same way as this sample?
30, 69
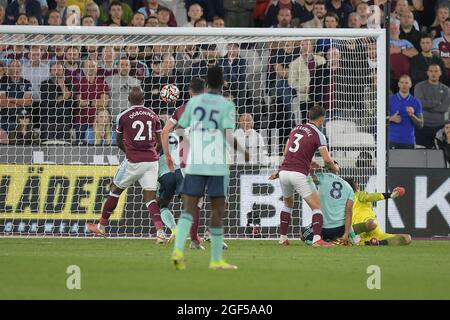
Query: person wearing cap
442, 140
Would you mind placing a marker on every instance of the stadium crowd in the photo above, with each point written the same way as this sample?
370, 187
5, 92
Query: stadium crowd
74, 93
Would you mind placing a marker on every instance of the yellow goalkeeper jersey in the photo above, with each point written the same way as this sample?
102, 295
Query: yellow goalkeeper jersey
363, 206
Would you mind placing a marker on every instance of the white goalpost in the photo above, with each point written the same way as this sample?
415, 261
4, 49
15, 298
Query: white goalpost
61, 89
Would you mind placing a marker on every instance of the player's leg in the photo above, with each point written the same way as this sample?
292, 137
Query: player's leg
398, 240
366, 226
287, 189
217, 191
108, 208
378, 237
305, 187
167, 187
193, 189
196, 241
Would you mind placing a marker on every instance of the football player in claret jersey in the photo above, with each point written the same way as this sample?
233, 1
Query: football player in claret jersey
211, 121
138, 132
170, 180
365, 221
304, 140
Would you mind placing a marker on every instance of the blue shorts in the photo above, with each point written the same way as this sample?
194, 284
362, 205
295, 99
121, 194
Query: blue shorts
197, 186
170, 184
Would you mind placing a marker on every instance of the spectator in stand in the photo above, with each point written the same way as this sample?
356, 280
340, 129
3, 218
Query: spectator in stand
234, 72
120, 85
284, 19
33, 21
195, 12
218, 22
101, 132
115, 14
152, 21
91, 94
81, 4
35, 71
331, 21
420, 63
164, 17
56, 105
301, 70
90, 53
15, 94
407, 30
341, 9
93, 11
26, 7
108, 62
319, 12
273, 12
138, 69
2, 16
72, 70
362, 9
306, 12
402, 6
88, 21
23, 133
442, 140
2, 69
138, 20
435, 98
54, 18
437, 28
201, 23
22, 20
61, 7
186, 56
401, 51
251, 140
211, 8
441, 47
152, 7
405, 115
259, 12
354, 21
163, 72
104, 11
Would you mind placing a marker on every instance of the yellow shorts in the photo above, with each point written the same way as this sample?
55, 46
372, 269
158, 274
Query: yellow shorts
377, 233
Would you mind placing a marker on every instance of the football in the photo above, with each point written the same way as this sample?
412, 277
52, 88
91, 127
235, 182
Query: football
170, 93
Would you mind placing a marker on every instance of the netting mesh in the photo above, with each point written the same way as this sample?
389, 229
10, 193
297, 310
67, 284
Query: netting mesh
60, 96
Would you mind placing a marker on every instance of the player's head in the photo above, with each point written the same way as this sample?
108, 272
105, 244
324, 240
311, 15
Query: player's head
351, 181
214, 78
317, 115
196, 87
136, 96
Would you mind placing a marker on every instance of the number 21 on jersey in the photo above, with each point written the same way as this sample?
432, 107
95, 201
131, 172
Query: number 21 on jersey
139, 136
296, 143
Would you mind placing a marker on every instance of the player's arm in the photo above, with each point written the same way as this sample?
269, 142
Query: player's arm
119, 138
348, 219
329, 162
168, 127
275, 174
158, 141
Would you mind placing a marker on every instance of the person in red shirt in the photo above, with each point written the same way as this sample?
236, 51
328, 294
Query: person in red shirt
92, 92
138, 134
304, 141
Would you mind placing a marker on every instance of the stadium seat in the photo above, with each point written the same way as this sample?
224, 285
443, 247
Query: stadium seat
340, 126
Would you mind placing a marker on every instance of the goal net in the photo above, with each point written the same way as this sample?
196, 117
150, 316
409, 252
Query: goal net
61, 90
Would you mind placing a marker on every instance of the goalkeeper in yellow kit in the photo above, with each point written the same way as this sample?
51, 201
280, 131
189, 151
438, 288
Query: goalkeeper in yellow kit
364, 220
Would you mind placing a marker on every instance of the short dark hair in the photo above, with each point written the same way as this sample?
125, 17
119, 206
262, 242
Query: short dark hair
316, 112
214, 78
161, 8
351, 181
447, 20
426, 36
332, 15
136, 96
115, 3
197, 85
434, 64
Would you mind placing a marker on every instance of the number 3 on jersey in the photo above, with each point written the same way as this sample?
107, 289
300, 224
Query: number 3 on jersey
296, 143
140, 124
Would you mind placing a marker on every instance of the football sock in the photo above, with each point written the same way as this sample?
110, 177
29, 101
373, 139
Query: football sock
168, 219
108, 208
317, 222
397, 240
216, 243
285, 220
184, 224
155, 215
195, 224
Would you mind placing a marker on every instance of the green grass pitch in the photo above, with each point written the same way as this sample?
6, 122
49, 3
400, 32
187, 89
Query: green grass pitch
141, 269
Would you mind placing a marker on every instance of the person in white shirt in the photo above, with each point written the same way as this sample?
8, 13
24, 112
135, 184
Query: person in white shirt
252, 140
35, 70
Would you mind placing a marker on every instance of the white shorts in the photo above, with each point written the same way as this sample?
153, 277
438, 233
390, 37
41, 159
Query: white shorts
291, 181
144, 172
